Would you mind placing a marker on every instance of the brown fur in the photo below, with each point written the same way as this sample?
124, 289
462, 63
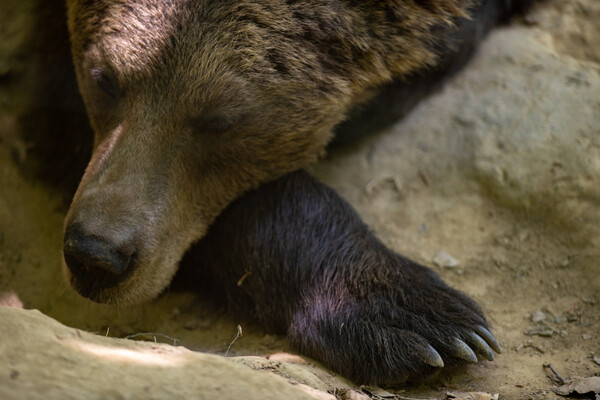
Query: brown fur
195, 102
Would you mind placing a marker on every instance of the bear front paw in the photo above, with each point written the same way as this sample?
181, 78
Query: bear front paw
407, 324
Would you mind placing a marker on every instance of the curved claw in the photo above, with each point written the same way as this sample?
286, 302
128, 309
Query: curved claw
463, 351
481, 347
432, 357
489, 338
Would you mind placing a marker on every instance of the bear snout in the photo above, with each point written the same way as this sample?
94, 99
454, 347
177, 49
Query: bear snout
96, 263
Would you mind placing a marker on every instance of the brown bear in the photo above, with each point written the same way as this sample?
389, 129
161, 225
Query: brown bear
195, 102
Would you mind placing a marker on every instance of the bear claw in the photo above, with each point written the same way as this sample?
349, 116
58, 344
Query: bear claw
489, 338
481, 347
463, 351
433, 358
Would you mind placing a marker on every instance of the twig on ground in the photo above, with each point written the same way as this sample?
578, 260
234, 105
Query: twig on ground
555, 376
239, 334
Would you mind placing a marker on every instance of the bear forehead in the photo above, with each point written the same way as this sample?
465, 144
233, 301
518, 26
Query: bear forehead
131, 36
141, 36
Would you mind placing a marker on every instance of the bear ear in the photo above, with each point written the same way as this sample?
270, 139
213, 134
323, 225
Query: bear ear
106, 82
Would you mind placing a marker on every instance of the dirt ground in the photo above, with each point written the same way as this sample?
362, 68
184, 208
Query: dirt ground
500, 170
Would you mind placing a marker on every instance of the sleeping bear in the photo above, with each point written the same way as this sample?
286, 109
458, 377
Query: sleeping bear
204, 114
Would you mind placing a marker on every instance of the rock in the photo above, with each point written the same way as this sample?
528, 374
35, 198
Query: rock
445, 260
538, 316
528, 155
543, 331
46, 360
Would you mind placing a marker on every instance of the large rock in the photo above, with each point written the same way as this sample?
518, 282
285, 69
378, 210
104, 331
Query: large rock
43, 359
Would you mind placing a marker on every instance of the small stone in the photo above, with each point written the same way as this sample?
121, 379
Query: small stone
541, 331
519, 347
586, 336
538, 316
445, 260
596, 359
549, 332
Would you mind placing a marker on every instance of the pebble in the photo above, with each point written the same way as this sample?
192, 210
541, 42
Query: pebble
445, 260
541, 331
538, 316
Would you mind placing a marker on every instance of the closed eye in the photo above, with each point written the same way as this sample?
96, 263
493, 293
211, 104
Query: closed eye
105, 82
213, 123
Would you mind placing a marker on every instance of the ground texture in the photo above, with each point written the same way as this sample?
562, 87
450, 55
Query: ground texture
500, 170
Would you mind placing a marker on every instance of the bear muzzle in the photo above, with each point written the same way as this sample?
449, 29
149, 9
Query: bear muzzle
96, 263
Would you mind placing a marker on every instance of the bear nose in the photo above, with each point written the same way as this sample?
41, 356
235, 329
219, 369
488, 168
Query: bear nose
95, 262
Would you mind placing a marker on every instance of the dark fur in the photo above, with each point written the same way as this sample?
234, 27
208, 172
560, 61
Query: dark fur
315, 271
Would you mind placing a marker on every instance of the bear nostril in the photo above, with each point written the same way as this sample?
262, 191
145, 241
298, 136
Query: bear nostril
94, 262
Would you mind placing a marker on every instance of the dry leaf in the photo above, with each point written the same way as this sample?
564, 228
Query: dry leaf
580, 386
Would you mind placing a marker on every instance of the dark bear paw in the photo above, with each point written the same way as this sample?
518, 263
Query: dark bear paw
386, 328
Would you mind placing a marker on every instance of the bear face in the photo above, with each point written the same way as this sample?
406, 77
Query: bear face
195, 102
182, 127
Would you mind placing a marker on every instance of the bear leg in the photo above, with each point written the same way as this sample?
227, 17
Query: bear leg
295, 257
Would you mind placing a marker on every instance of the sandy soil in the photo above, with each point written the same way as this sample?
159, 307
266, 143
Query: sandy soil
501, 170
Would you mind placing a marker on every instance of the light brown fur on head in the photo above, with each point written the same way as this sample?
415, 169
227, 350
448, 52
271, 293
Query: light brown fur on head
194, 102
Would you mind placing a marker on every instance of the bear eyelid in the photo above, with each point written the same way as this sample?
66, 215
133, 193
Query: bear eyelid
215, 123
105, 82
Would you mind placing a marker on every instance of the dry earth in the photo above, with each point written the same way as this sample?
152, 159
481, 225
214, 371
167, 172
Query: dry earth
501, 170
